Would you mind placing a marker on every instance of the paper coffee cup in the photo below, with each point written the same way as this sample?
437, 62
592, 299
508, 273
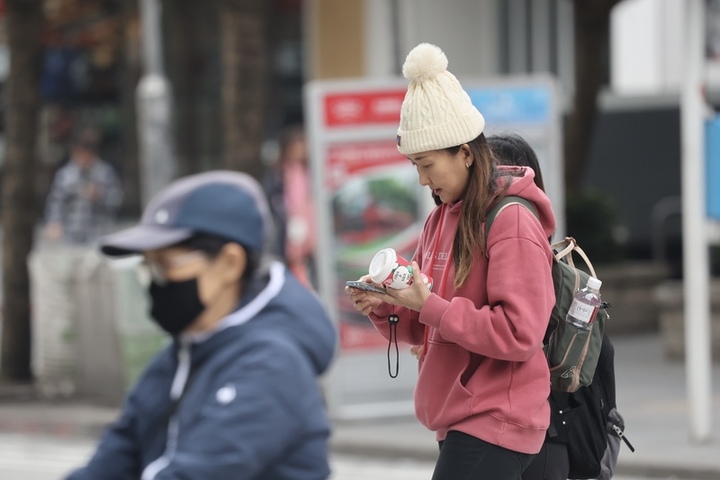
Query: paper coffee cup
392, 270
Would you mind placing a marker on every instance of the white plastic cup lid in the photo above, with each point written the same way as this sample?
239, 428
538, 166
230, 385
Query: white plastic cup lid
382, 264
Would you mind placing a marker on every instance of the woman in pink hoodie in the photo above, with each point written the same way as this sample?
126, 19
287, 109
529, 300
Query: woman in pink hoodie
483, 378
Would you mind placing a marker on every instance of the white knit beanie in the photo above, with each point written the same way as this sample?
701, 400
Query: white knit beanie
436, 112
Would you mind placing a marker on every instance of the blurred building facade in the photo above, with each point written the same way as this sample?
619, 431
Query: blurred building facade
638, 127
92, 65
87, 70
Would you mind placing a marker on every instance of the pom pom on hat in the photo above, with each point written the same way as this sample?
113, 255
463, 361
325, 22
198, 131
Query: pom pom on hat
424, 62
436, 112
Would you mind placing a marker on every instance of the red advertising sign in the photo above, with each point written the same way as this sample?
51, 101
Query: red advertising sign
350, 159
374, 205
363, 108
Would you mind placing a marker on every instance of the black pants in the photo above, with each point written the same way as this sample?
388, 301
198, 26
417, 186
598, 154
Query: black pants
550, 464
464, 457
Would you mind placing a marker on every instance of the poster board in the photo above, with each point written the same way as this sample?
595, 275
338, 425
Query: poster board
368, 197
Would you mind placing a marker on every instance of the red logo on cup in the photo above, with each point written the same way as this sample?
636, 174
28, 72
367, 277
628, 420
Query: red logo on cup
392, 270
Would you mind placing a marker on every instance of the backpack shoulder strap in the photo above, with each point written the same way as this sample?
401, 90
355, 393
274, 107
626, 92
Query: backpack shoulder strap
506, 202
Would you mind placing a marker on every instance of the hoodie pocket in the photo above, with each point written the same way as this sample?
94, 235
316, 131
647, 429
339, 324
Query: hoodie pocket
441, 399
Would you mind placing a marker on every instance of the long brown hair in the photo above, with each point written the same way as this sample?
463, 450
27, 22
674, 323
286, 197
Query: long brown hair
480, 194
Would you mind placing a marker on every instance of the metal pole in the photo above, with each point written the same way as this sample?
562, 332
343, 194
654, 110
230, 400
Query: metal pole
154, 108
695, 248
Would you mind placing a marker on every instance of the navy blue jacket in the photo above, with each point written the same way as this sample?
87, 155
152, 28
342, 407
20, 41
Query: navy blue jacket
241, 402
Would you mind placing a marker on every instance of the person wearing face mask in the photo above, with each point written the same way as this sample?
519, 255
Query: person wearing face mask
235, 394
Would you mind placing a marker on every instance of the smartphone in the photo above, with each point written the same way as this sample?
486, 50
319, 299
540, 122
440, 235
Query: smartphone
368, 287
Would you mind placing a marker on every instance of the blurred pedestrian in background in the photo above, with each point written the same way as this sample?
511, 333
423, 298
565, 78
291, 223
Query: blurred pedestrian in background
552, 462
235, 394
85, 194
288, 185
513, 150
483, 378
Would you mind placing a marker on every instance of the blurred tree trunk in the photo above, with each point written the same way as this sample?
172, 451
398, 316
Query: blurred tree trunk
24, 30
243, 26
592, 33
130, 75
185, 33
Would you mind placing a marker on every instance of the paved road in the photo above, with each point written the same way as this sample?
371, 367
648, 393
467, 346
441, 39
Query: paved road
29, 457
42, 457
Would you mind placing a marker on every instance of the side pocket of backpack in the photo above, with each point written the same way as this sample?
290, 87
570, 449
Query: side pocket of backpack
566, 351
572, 353
615, 432
609, 460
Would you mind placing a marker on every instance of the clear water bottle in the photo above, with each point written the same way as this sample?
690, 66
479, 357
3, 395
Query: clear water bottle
585, 305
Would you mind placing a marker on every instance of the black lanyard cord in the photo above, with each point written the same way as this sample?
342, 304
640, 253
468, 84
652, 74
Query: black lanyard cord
393, 321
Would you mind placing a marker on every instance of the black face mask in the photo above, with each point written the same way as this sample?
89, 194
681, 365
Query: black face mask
175, 305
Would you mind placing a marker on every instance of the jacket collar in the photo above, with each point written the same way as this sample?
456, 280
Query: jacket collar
248, 310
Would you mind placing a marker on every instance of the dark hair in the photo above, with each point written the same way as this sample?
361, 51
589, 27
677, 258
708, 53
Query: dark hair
87, 138
288, 136
211, 245
514, 150
481, 192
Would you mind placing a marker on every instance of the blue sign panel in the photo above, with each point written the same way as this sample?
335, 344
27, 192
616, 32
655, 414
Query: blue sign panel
513, 104
712, 173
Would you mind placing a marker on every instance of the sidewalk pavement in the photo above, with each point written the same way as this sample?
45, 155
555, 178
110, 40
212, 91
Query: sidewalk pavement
651, 397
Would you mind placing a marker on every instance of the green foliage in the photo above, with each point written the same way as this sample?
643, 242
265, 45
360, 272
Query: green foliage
393, 192
592, 219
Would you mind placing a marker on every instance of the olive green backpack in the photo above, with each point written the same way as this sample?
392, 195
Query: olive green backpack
572, 353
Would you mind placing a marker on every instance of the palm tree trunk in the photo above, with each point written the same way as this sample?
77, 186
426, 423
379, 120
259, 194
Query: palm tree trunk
243, 34
24, 29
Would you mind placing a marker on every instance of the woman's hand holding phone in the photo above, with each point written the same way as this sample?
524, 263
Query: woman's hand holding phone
365, 299
367, 287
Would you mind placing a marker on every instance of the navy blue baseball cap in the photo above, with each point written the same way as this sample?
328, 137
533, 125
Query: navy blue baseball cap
226, 204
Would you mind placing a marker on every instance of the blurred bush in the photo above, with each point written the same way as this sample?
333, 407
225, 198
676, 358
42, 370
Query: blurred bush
593, 220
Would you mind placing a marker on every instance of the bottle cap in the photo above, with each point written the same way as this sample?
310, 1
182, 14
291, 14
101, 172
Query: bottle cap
594, 283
